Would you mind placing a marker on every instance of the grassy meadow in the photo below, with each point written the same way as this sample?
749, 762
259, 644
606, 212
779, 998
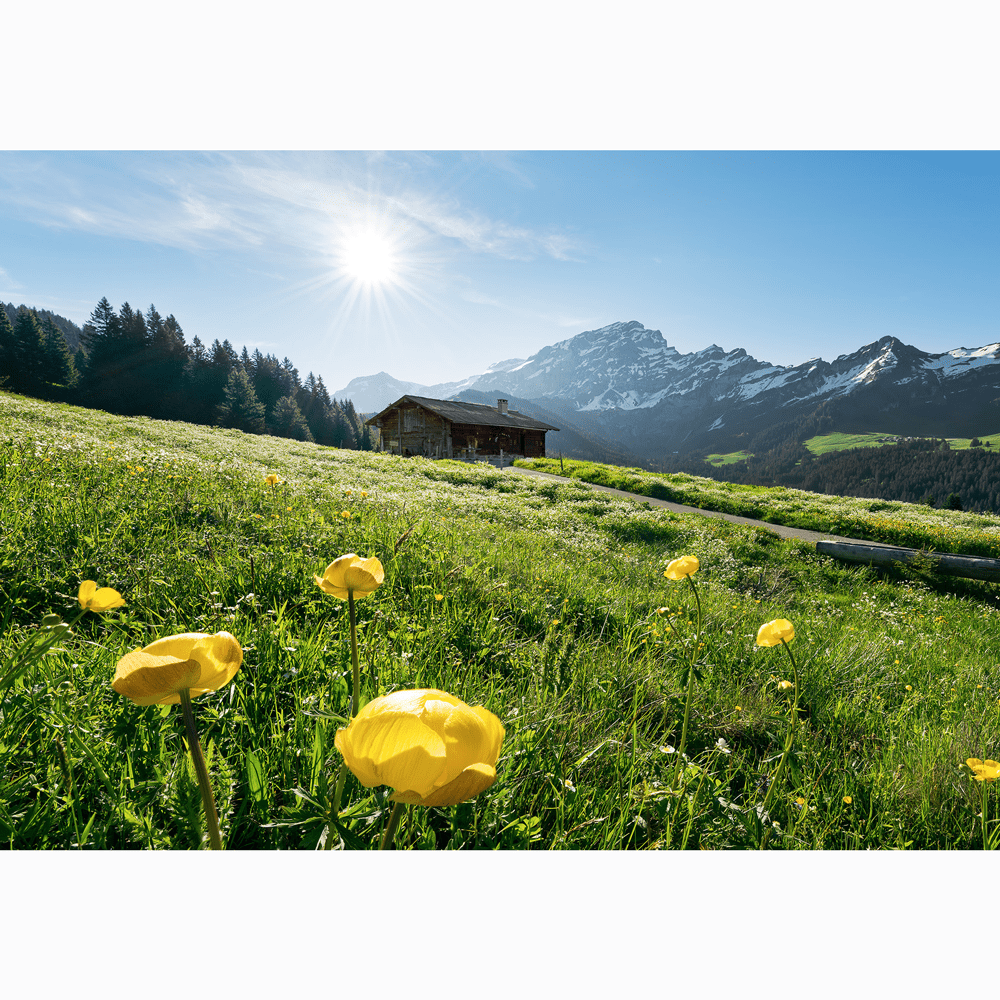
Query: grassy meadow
822, 444
545, 602
890, 521
838, 441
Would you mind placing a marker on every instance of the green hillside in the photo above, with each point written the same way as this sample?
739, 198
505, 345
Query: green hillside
546, 603
822, 444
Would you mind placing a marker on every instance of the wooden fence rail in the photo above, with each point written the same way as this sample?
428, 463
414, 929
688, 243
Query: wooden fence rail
973, 567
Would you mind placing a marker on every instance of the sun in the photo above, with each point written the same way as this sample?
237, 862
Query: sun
369, 258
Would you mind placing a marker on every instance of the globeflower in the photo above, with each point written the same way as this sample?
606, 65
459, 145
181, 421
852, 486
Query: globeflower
193, 661
174, 670
779, 633
92, 599
351, 574
682, 567
984, 770
431, 747
773, 633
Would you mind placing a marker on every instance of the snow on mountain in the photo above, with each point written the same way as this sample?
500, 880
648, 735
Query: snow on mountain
628, 377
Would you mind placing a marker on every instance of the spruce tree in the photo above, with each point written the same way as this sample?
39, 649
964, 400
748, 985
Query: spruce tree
167, 360
102, 338
287, 420
240, 406
57, 369
7, 350
29, 349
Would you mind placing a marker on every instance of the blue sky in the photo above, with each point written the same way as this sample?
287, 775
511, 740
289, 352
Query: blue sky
433, 265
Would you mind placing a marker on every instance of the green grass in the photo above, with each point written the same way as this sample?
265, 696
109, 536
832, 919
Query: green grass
729, 458
552, 617
823, 443
889, 521
840, 441
960, 444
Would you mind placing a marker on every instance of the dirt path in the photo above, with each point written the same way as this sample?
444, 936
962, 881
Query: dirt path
779, 529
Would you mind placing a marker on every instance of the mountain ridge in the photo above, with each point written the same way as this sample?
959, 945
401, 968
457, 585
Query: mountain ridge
640, 395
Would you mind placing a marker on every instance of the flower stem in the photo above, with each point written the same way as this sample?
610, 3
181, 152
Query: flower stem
697, 601
338, 793
690, 690
793, 718
390, 828
354, 654
211, 816
356, 697
983, 817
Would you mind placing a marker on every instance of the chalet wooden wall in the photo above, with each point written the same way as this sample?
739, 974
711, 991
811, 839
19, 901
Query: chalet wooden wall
423, 432
412, 429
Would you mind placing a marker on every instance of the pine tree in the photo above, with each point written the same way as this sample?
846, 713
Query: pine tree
57, 369
287, 420
7, 350
240, 406
102, 338
270, 381
168, 357
29, 351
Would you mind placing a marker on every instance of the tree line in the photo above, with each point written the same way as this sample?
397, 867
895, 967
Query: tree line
919, 470
137, 364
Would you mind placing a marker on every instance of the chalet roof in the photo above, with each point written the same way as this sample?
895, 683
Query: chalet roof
468, 413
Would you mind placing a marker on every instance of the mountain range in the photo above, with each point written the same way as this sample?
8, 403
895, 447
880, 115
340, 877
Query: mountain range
623, 389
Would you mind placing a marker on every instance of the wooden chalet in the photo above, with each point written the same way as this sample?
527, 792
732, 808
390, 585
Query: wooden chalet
445, 428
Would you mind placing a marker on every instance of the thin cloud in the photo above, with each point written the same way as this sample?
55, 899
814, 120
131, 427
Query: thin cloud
207, 201
150, 207
481, 300
504, 162
8, 282
348, 198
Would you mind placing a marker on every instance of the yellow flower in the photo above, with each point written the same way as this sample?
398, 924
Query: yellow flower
680, 568
158, 673
847, 800
273, 480
432, 748
351, 573
92, 599
773, 632
439, 597
909, 687
984, 770
785, 685
345, 514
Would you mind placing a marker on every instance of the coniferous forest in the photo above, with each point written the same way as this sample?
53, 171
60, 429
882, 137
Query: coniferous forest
918, 470
137, 364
